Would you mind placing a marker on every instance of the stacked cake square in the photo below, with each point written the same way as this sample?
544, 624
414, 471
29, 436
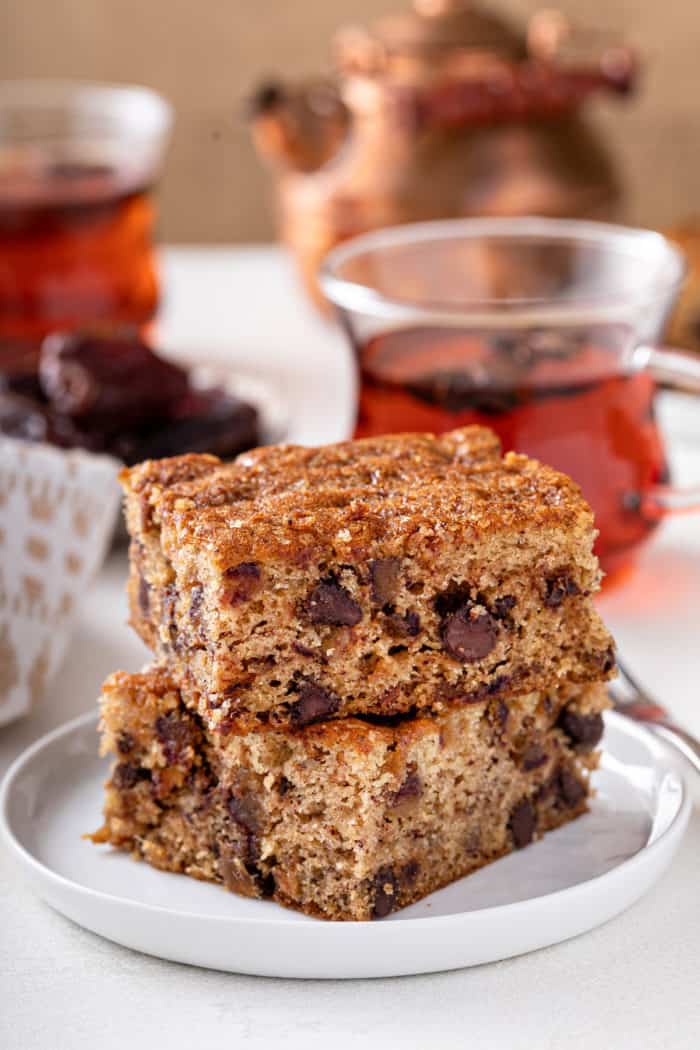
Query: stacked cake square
378, 667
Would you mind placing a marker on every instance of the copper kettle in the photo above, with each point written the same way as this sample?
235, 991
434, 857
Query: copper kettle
440, 111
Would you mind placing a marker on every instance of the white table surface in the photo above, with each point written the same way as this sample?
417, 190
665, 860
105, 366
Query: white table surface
630, 985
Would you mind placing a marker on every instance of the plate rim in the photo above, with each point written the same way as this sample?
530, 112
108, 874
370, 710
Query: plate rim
562, 896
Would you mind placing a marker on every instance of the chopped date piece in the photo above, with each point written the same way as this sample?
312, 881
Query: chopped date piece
384, 573
242, 581
386, 892
173, 734
86, 374
218, 423
245, 811
412, 787
571, 790
330, 603
522, 823
112, 393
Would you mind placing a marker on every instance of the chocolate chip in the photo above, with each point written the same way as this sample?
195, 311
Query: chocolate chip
330, 603
284, 786
267, 884
244, 812
242, 581
405, 626
174, 733
314, 704
502, 607
533, 757
243, 809
584, 731
384, 573
386, 892
557, 588
126, 776
412, 787
522, 823
468, 637
409, 872
125, 743
144, 596
571, 790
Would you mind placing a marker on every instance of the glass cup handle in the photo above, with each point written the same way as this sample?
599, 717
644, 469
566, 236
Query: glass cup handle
679, 369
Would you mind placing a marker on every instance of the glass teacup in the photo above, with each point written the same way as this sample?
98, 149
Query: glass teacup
544, 330
78, 162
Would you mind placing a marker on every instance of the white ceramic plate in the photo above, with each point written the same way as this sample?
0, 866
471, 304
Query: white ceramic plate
574, 879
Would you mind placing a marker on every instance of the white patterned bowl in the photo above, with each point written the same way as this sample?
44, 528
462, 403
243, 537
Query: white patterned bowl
57, 516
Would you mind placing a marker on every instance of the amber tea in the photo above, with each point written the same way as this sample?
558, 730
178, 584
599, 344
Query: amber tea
75, 247
577, 419
77, 167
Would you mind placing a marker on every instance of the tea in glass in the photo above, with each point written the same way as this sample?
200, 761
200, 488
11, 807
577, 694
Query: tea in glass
541, 329
77, 168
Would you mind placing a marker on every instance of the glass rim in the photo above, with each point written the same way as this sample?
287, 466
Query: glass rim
154, 115
356, 297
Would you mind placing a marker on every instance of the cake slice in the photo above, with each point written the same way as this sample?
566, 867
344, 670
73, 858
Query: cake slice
380, 576
349, 819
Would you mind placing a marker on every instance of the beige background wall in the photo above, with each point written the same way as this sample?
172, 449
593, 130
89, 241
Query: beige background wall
205, 55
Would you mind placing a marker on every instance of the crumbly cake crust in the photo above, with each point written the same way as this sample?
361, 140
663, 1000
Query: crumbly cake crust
371, 577
346, 819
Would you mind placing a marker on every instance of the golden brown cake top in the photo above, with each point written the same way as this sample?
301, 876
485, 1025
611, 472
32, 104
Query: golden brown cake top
287, 502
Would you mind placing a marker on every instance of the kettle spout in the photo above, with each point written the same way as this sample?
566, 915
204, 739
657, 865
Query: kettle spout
298, 127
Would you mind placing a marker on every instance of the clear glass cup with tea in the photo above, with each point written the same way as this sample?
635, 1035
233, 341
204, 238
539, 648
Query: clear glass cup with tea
545, 330
78, 163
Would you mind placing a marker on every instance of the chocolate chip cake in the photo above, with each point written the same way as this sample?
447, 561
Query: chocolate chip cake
382, 577
346, 819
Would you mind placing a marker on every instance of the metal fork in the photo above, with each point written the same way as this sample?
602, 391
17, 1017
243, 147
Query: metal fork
631, 699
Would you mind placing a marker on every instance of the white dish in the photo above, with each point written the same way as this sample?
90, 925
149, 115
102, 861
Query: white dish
573, 880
